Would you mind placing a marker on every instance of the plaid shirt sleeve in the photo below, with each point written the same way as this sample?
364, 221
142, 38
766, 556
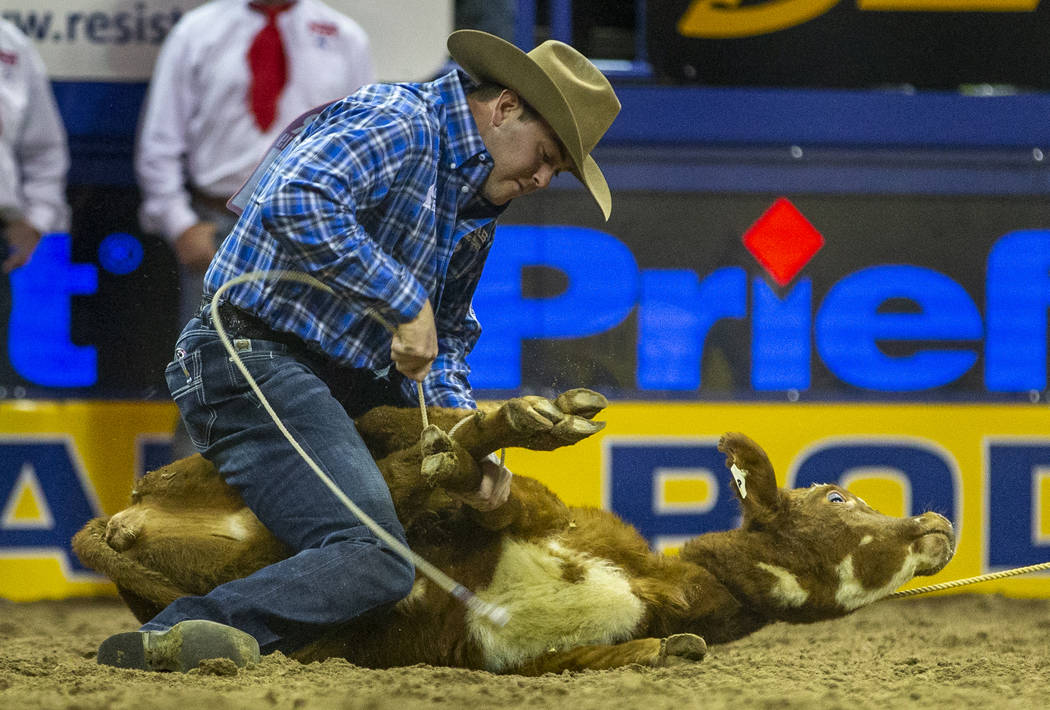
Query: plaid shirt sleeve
354, 160
448, 385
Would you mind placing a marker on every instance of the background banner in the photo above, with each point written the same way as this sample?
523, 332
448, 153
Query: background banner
851, 43
812, 297
118, 40
985, 467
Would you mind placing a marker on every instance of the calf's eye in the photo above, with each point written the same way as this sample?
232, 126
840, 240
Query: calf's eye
836, 497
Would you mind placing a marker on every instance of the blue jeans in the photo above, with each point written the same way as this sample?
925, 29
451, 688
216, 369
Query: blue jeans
340, 569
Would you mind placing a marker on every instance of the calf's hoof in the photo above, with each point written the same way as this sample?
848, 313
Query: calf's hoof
439, 460
581, 402
433, 440
681, 649
541, 424
180, 648
120, 536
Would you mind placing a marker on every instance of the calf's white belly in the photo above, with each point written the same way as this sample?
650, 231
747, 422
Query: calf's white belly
549, 612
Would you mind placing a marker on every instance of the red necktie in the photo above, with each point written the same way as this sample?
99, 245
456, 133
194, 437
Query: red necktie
269, 66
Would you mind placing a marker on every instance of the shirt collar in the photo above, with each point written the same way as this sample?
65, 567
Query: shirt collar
465, 145
288, 3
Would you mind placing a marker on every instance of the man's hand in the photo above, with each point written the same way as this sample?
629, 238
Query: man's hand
195, 247
22, 239
415, 346
495, 485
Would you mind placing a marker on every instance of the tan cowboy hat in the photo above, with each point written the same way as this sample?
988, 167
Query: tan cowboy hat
569, 92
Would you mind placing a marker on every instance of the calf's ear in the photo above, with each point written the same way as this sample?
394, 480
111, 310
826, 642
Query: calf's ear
754, 483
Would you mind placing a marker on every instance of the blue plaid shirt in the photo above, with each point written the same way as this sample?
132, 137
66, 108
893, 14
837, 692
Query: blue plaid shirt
378, 197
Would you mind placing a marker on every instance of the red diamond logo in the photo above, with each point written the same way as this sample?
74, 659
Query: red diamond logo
783, 241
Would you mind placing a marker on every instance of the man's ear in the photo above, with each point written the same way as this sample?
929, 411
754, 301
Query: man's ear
507, 105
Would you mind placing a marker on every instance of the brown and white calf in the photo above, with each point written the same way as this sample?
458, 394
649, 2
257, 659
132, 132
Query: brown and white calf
583, 588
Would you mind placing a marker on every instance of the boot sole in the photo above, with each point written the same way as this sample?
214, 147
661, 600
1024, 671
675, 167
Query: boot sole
181, 648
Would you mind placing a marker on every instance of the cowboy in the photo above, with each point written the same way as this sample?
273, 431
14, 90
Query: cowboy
389, 197
229, 76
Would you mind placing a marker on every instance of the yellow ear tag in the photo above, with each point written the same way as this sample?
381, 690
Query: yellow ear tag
740, 476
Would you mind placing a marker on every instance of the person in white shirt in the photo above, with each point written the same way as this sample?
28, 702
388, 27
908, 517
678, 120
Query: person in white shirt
34, 157
201, 135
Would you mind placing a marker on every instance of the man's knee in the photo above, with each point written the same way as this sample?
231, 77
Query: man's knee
402, 577
386, 573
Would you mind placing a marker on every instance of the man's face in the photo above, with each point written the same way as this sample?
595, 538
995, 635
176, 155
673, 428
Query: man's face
526, 155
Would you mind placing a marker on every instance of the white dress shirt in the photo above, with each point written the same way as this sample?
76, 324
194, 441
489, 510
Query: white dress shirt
197, 128
34, 157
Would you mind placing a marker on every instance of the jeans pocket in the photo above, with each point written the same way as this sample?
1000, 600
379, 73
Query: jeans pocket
186, 385
262, 362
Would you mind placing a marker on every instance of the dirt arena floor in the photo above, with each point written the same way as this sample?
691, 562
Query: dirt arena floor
943, 652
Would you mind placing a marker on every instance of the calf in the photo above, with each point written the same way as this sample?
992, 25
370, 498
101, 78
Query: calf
583, 588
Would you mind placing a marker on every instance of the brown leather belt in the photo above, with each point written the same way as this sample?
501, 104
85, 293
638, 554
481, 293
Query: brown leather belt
357, 389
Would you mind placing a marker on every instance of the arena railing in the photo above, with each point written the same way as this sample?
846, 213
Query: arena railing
560, 28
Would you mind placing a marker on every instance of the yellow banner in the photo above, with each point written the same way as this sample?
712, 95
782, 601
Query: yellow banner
716, 19
949, 5
985, 466
62, 463
724, 19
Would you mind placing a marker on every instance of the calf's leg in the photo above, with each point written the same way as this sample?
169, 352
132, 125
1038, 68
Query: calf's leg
531, 509
535, 423
671, 651
145, 590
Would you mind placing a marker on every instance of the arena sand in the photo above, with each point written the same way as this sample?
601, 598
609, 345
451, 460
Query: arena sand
942, 652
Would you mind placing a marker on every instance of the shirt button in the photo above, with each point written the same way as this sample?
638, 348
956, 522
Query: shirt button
465, 188
452, 166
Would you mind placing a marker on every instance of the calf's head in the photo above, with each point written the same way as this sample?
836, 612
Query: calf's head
813, 553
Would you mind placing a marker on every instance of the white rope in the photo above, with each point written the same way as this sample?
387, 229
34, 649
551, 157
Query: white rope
498, 615
969, 580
